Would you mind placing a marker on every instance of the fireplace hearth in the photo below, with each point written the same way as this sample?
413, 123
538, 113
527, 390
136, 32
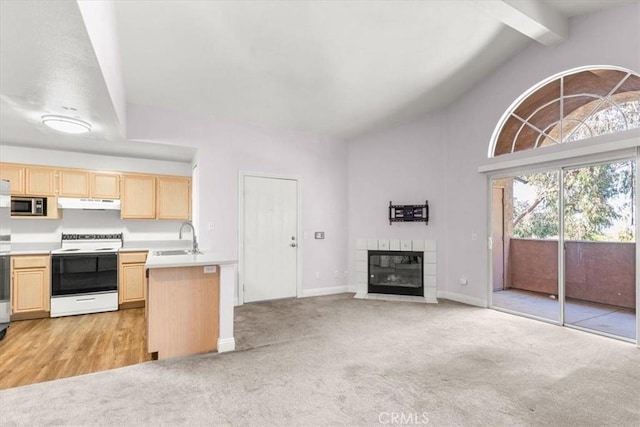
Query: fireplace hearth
396, 273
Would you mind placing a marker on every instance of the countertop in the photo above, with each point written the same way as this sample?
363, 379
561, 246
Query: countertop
44, 248
33, 248
154, 245
207, 258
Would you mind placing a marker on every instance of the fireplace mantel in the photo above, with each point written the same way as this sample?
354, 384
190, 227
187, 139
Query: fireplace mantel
428, 247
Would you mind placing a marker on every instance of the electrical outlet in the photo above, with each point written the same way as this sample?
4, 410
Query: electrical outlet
317, 274
211, 226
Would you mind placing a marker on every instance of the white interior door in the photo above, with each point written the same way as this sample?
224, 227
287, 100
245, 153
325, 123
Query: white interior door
270, 238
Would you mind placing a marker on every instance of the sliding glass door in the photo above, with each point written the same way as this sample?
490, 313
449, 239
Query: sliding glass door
564, 246
600, 248
525, 228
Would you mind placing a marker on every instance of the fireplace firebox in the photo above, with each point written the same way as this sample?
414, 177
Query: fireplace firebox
396, 273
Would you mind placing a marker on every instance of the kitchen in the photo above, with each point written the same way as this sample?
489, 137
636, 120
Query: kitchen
87, 253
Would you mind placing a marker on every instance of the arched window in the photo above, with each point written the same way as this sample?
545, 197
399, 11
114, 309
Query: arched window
571, 106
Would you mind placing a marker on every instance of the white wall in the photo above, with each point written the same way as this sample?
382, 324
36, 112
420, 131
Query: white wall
79, 221
225, 149
611, 37
404, 165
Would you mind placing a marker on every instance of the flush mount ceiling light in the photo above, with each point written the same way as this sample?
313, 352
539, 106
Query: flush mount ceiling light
66, 124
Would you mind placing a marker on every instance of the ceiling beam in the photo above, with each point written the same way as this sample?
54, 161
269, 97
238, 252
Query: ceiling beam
532, 18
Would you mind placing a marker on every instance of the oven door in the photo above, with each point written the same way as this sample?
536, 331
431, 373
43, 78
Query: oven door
84, 273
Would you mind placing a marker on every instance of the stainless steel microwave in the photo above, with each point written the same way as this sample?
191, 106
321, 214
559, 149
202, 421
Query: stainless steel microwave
28, 206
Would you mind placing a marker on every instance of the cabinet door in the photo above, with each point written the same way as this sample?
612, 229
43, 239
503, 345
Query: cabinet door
131, 282
138, 196
174, 197
30, 290
73, 183
105, 185
39, 181
14, 174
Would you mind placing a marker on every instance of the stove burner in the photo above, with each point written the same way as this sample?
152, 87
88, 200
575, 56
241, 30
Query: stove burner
117, 236
90, 243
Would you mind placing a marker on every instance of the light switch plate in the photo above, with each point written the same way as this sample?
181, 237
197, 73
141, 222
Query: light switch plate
208, 269
319, 234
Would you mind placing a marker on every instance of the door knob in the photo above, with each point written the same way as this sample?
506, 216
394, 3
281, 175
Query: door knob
293, 245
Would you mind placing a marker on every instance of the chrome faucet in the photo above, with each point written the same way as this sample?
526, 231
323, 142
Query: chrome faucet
195, 249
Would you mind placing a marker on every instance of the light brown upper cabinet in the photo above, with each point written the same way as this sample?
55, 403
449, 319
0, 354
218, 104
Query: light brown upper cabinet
150, 196
29, 180
14, 174
73, 183
80, 183
143, 196
105, 185
138, 196
40, 181
174, 197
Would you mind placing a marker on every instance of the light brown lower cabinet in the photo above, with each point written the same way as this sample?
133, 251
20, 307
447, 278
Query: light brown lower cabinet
183, 310
131, 281
30, 286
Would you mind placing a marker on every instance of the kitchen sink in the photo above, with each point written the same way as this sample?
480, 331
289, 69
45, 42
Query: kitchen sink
174, 252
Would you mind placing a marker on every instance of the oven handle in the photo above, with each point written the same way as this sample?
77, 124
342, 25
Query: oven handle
85, 299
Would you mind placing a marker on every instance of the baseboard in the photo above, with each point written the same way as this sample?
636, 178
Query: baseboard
131, 304
316, 292
30, 315
465, 299
226, 344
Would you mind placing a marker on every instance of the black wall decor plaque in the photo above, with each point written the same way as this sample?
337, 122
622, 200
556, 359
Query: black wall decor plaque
409, 213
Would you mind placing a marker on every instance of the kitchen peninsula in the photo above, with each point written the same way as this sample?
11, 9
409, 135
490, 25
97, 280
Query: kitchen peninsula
189, 303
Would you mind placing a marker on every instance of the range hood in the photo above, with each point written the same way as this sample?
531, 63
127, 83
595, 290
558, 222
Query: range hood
88, 204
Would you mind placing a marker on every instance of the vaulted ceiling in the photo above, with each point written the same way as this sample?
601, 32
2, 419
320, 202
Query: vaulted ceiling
332, 68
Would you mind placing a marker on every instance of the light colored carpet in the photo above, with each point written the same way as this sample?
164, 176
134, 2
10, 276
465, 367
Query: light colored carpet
340, 361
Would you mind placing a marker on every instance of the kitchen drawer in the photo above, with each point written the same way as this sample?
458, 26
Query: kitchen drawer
30, 261
84, 304
133, 257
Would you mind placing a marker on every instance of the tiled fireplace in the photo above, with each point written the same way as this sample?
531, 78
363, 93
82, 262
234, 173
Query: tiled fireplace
391, 266
395, 273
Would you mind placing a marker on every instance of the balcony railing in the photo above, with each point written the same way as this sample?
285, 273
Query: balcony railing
601, 272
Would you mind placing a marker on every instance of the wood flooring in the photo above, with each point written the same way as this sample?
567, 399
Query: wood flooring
40, 350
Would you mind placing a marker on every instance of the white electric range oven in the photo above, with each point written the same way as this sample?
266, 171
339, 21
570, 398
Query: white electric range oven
84, 274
